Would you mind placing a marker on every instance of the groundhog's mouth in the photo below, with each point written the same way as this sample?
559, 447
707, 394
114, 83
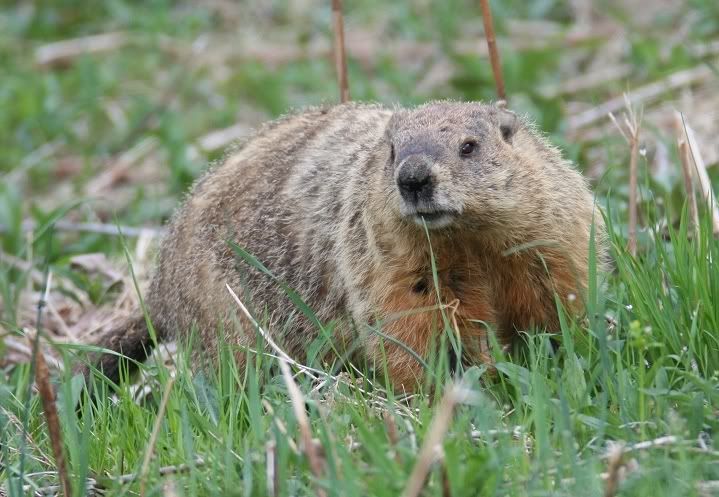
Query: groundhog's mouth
434, 219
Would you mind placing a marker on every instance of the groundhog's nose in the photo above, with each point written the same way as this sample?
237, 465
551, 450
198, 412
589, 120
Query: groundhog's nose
414, 179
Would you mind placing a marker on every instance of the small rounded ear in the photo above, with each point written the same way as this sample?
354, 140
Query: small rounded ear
508, 124
397, 116
389, 137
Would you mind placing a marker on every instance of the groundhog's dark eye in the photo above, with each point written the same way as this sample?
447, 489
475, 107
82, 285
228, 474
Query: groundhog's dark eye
391, 153
468, 147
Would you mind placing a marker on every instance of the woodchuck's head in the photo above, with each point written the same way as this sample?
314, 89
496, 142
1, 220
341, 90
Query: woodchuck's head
454, 163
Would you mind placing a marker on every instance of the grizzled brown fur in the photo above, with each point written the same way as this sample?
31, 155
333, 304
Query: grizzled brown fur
332, 201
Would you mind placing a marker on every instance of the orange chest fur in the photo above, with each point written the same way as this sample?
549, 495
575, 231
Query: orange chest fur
506, 292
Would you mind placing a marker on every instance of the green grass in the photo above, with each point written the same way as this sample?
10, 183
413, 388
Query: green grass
540, 428
643, 365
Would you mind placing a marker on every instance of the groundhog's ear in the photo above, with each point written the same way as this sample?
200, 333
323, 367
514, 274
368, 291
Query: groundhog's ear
508, 124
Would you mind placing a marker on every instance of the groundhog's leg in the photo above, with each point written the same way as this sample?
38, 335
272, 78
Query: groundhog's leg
472, 316
416, 322
413, 331
527, 305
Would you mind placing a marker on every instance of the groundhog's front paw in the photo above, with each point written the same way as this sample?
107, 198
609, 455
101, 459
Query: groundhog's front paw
405, 372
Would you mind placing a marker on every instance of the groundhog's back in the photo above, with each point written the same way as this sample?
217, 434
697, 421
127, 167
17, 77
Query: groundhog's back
279, 196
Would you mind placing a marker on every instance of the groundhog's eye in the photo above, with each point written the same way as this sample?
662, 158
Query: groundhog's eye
391, 153
468, 147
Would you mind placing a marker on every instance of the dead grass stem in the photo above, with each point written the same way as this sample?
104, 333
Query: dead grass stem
339, 50
492, 47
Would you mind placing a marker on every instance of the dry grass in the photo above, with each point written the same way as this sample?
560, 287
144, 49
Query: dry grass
339, 50
492, 48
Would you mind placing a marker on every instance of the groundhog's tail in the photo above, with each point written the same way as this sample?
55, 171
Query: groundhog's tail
130, 344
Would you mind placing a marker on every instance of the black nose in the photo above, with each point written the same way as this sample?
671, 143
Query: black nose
414, 180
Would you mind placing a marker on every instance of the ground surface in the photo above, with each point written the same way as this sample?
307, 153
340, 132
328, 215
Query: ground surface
111, 129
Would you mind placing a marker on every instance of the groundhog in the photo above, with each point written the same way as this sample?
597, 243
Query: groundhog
349, 206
